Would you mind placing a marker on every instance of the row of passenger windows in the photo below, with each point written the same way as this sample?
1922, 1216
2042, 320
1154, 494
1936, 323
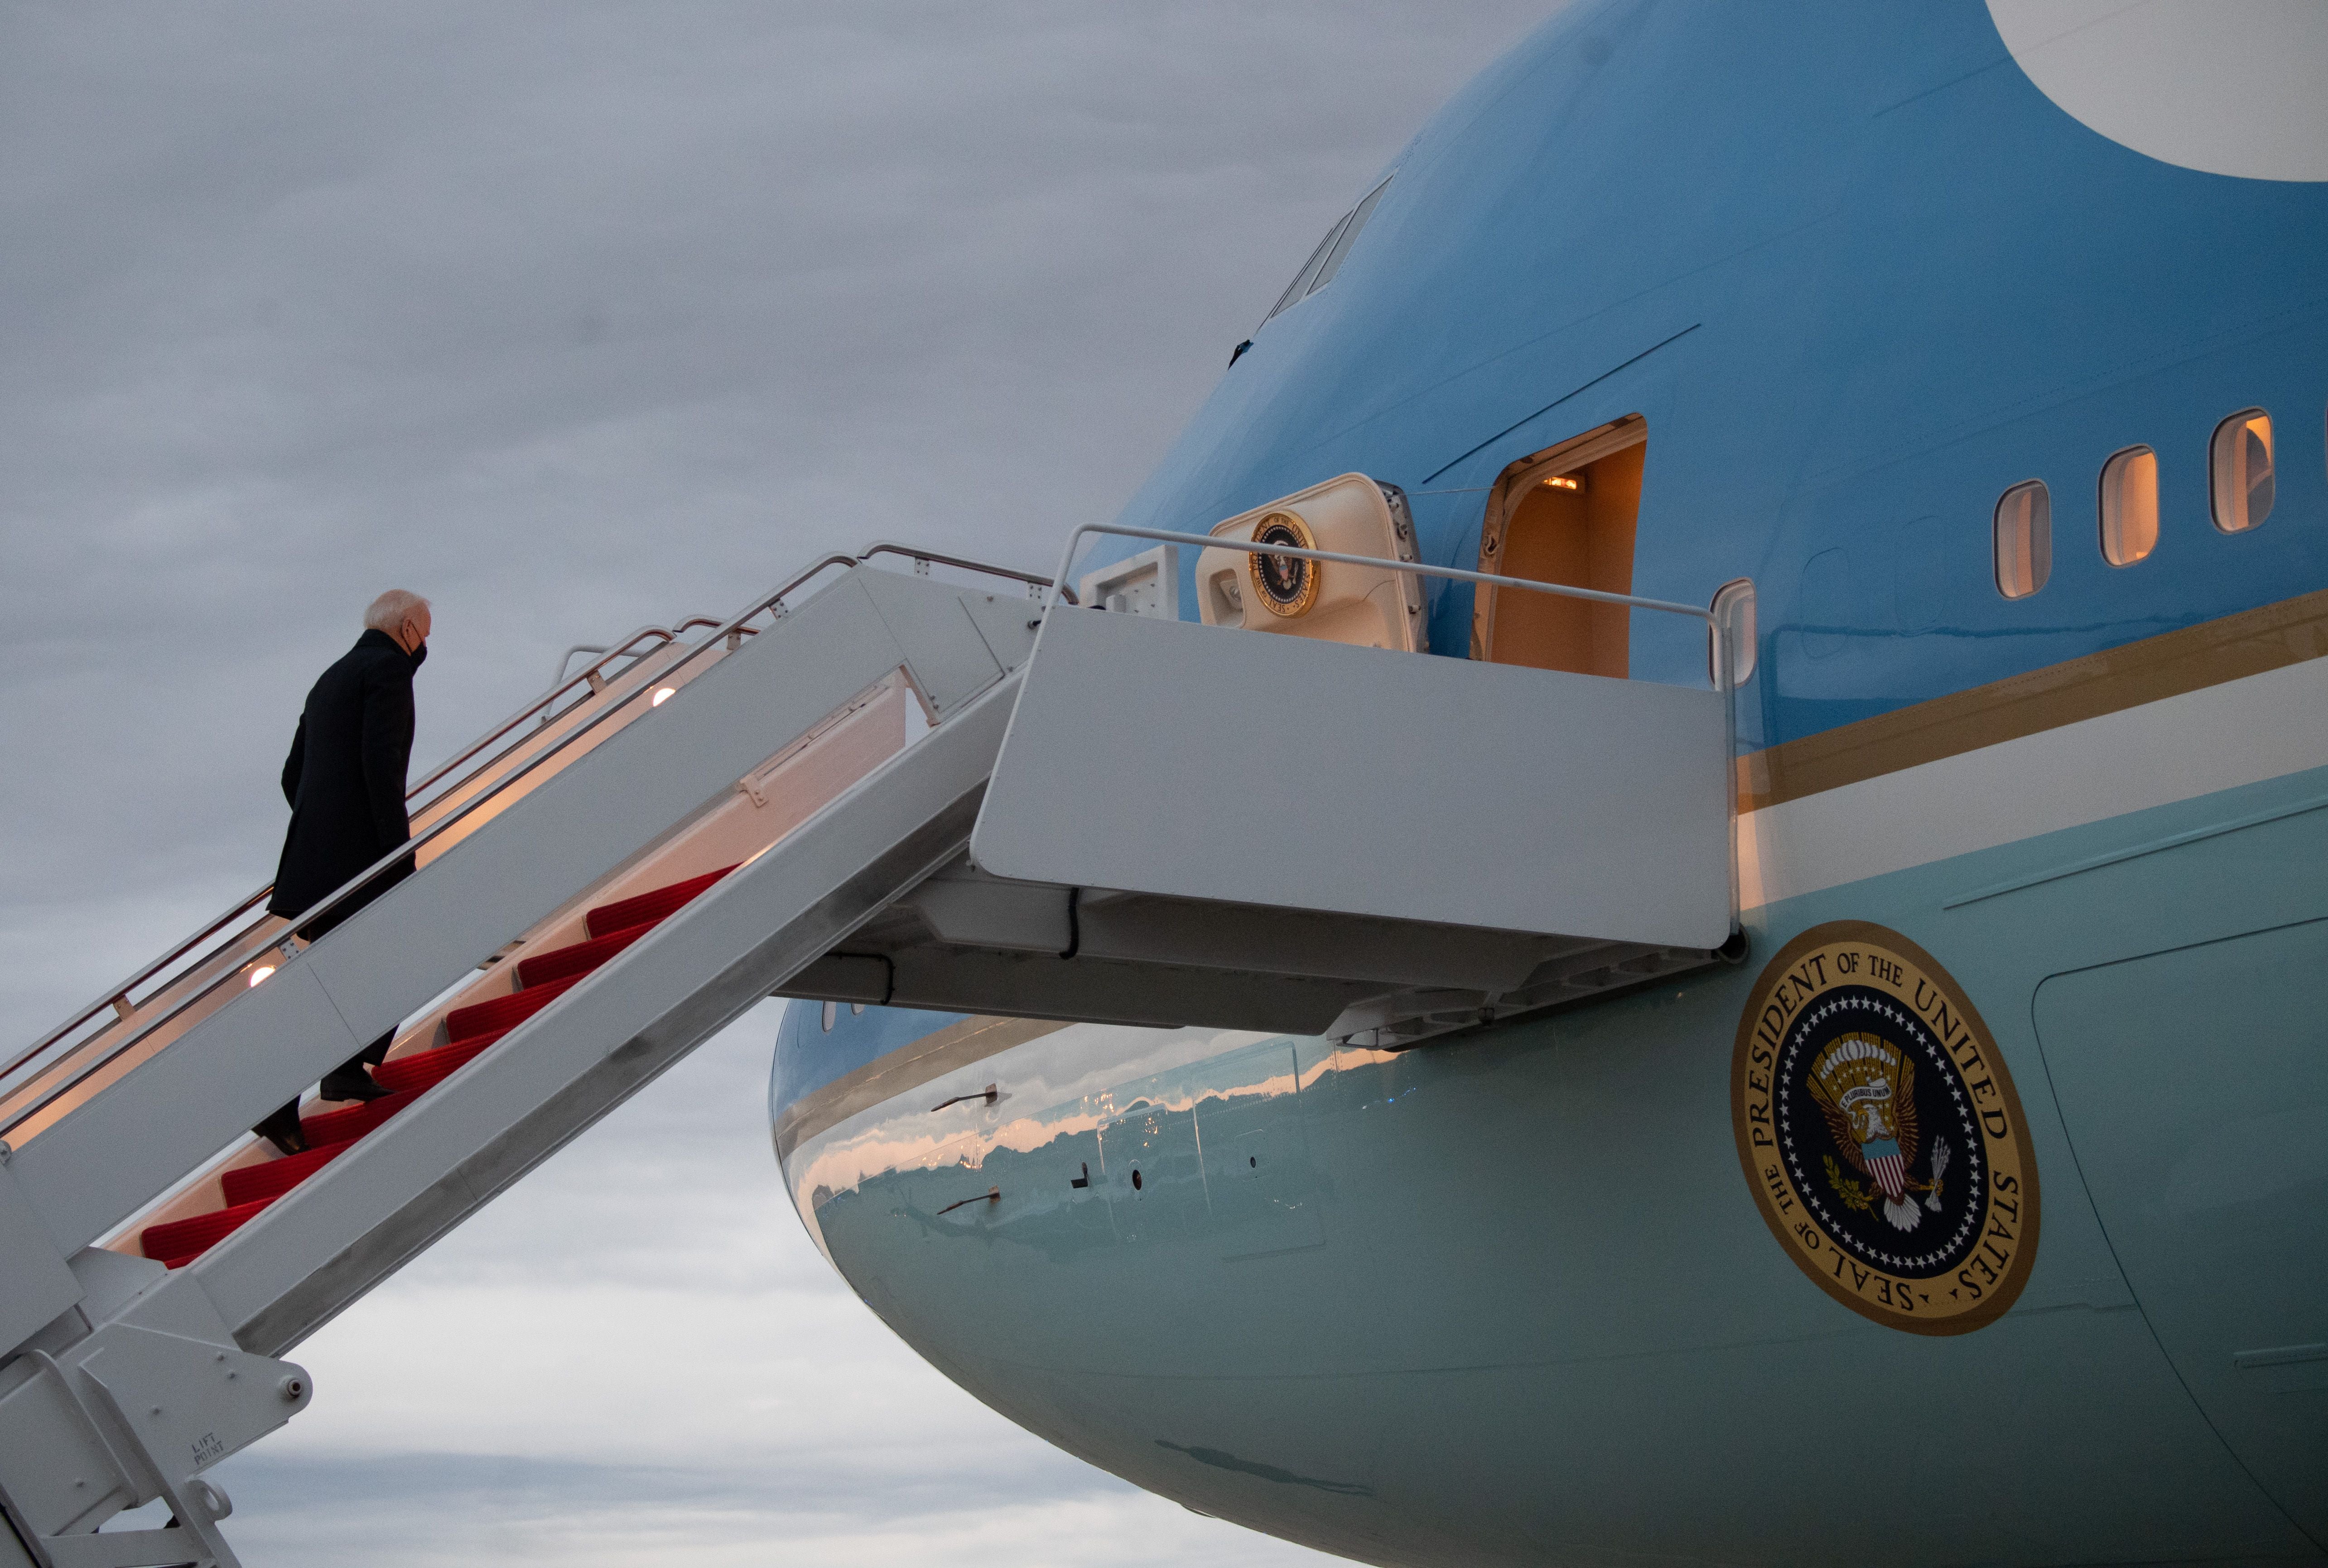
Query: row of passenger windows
2240, 487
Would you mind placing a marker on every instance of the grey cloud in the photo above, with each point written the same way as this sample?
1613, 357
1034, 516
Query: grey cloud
580, 316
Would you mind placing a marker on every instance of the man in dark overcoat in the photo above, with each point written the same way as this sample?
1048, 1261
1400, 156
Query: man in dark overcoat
345, 782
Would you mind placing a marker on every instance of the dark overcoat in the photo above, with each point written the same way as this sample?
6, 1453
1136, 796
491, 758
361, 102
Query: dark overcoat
345, 778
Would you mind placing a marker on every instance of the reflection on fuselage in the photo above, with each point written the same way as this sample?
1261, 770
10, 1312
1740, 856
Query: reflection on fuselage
1101, 1136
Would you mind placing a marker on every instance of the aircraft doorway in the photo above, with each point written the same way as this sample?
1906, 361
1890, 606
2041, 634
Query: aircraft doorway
1564, 515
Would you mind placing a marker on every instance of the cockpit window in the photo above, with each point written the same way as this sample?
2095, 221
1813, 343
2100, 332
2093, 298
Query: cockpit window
1333, 263
1327, 259
1300, 284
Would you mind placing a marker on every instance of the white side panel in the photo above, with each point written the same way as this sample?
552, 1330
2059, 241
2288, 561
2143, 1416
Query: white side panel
37, 1285
1159, 757
106, 1158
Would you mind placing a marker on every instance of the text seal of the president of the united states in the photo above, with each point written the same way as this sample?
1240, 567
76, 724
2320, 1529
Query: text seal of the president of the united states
1881, 1134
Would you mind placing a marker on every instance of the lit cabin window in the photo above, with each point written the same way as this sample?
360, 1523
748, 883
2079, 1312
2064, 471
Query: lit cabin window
2129, 506
2240, 461
2024, 540
1734, 605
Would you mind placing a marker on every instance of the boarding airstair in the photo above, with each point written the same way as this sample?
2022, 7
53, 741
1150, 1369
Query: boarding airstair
1095, 820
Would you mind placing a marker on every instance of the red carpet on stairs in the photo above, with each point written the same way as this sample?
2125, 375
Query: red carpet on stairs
580, 958
182, 1241
277, 1176
422, 1068
351, 1123
647, 908
470, 1031
505, 1012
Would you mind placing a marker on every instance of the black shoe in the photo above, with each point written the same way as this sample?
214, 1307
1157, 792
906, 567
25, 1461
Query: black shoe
282, 1129
350, 1084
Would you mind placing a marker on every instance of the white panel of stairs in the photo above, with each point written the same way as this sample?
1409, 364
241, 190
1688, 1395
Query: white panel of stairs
109, 1157
37, 1284
1159, 757
332, 1238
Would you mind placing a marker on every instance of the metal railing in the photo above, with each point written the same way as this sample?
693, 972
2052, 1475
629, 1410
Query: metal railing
663, 635
1722, 662
1714, 620
29, 1065
116, 998
922, 558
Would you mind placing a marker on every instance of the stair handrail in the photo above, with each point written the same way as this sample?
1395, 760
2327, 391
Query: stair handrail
659, 636
116, 997
559, 682
732, 630
1417, 569
1721, 663
922, 558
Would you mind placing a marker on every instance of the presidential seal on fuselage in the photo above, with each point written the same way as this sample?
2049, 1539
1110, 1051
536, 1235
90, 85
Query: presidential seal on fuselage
1880, 1133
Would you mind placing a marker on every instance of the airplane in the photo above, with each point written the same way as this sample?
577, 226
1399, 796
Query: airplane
1729, 971
1975, 1211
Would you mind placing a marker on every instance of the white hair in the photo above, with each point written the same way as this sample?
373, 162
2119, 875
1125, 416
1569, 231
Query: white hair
388, 611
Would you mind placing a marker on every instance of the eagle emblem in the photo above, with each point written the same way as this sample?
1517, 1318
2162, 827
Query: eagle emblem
1287, 585
1879, 1133
1867, 1086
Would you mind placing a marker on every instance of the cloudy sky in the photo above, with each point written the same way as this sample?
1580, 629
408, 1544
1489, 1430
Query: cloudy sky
575, 317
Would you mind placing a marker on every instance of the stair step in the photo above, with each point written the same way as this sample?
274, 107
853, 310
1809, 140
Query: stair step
505, 1012
276, 1177
179, 1241
645, 908
424, 1069
581, 957
473, 1029
343, 1126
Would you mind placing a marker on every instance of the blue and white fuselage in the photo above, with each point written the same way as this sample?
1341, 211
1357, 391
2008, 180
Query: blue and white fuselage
1855, 280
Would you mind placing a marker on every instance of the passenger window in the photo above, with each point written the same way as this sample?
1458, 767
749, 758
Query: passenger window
1565, 515
2240, 461
2129, 506
1734, 605
2024, 538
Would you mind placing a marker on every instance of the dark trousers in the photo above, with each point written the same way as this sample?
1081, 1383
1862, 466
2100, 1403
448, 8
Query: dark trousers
283, 1123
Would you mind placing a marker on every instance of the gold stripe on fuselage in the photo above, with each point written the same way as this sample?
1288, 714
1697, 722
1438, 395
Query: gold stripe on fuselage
2167, 665
2189, 658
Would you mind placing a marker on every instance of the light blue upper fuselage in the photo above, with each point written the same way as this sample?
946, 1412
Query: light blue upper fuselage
1862, 276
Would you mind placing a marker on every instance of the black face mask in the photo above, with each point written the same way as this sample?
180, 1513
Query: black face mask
418, 656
